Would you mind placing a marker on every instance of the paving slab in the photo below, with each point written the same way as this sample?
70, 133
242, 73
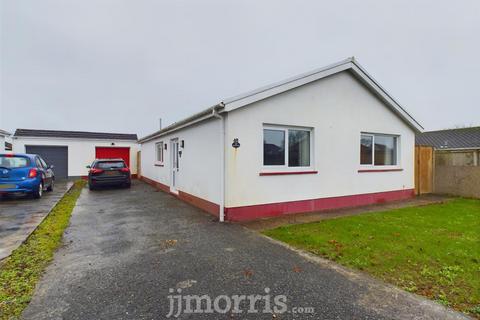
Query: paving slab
20, 216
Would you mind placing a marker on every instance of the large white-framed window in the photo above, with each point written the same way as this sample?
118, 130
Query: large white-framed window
159, 153
379, 149
287, 148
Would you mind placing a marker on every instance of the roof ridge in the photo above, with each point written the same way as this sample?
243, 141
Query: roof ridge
453, 129
41, 133
75, 131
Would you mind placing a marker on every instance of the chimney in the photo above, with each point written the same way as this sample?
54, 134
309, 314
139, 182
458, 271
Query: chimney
160, 123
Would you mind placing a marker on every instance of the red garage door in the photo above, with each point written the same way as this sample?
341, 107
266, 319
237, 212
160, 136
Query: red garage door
113, 153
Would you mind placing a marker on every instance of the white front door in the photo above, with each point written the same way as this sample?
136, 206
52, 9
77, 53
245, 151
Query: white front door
174, 166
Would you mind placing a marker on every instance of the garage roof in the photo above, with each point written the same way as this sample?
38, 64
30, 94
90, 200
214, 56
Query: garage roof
73, 134
463, 138
4, 133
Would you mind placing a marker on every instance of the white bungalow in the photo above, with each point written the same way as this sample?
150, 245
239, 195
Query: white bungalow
325, 139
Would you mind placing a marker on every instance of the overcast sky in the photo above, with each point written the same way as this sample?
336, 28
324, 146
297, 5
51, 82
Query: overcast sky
120, 65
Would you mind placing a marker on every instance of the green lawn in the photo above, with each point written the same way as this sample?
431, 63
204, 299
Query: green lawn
431, 250
20, 272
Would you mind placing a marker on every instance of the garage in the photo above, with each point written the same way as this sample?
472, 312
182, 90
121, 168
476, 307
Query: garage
71, 152
113, 153
53, 155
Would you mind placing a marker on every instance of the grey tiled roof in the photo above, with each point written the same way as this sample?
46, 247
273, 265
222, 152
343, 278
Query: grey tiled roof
74, 134
451, 139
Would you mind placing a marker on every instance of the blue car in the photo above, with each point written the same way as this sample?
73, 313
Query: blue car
25, 173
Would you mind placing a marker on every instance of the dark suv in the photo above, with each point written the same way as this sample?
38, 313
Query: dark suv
108, 172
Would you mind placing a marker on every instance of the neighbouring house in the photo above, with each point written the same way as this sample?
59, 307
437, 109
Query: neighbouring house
71, 151
454, 147
325, 139
3, 143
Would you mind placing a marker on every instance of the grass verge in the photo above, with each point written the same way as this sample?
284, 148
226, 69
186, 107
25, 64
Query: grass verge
431, 250
20, 272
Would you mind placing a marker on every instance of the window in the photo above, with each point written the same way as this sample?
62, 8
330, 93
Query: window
288, 147
366, 149
12, 162
44, 164
378, 149
273, 147
38, 162
110, 165
298, 148
159, 152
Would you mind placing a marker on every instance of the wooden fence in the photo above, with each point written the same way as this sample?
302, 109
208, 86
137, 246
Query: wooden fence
424, 165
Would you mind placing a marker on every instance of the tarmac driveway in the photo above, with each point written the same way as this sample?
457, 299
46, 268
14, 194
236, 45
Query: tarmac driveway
20, 216
126, 251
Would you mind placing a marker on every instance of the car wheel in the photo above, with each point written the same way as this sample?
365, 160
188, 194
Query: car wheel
37, 194
50, 187
90, 187
128, 185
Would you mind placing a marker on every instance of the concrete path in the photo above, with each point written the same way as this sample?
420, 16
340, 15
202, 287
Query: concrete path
126, 251
20, 216
270, 223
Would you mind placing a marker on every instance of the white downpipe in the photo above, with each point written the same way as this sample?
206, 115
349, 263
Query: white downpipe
221, 214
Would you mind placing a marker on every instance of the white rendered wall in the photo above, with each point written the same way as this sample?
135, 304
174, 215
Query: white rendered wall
81, 152
339, 108
199, 165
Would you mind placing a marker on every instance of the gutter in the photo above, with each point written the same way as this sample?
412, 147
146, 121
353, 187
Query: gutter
457, 149
215, 114
198, 117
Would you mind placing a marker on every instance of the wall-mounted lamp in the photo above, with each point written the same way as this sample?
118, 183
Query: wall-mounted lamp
165, 146
235, 143
180, 153
182, 144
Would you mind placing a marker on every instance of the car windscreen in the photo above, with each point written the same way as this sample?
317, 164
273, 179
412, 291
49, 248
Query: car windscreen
12, 162
110, 165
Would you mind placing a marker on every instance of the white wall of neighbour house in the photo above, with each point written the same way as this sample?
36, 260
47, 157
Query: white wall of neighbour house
199, 164
81, 152
338, 108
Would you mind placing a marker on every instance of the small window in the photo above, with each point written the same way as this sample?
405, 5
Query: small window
110, 165
159, 152
12, 162
366, 149
44, 164
273, 147
39, 164
288, 147
298, 148
378, 149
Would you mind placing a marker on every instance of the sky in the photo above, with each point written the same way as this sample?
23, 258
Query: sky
119, 66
